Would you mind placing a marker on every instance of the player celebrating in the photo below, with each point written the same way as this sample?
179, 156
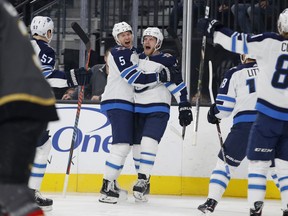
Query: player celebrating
152, 105
269, 134
118, 102
42, 32
26, 108
237, 95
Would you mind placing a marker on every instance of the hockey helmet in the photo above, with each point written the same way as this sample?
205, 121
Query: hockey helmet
40, 25
282, 23
120, 28
155, 32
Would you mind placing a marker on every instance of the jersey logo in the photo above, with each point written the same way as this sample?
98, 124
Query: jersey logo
167, 55
120, 48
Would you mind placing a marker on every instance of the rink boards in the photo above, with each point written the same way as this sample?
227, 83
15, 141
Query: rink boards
180, 167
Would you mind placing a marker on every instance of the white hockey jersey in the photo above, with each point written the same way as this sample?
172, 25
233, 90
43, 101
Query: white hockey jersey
237, 93
124, 74
271, 53
157, 98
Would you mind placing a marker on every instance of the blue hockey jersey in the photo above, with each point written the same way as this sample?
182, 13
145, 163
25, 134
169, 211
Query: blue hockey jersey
46, 54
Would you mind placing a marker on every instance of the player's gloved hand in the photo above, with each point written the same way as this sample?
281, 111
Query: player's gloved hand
207, 26
211, 114
185, 113
164, 75
175, 74
171, 74
78, 76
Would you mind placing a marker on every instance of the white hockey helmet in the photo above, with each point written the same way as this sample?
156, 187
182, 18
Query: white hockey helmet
120, 28
155, 32
40, 25
282, 23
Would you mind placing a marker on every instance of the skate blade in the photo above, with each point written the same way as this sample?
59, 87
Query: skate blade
139, 197
106, 199
46, 208
206, 212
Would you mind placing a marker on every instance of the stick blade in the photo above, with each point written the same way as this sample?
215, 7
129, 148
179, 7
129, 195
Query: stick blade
80, 32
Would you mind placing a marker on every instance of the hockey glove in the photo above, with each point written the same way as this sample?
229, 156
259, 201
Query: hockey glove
185, 114
207, 26
175, 74
211, 114
79, 77
171, 74
164, 75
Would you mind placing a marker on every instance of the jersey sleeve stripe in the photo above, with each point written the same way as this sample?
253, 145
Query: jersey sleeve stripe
134, 77
46, 73
178, 88
128, 70
225, 98
234, 39
226, 109
245, 47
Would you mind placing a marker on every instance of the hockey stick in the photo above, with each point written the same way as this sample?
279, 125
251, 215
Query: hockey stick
84, 38
199, 84
217, 124
183, 132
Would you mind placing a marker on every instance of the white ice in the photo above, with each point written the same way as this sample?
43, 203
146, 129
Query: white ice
82, 204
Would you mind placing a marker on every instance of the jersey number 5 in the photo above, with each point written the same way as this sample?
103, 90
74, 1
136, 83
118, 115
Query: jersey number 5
280, 76
122, 60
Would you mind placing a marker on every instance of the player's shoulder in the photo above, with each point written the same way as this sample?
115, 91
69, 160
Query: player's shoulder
264, 36
120, 51
239, 68
247, 65
165, 59
234, 70
44, 46
7, 7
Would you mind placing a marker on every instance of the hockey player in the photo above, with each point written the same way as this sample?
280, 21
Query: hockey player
269, 133
152, 105
26, 106
118, 103
42, 32
237, 95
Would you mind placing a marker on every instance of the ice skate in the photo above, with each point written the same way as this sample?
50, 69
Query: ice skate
141, 188
285, 212
31, 209
208, 207
109, 193
44, 203
257, 211
123, 194
18, 200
